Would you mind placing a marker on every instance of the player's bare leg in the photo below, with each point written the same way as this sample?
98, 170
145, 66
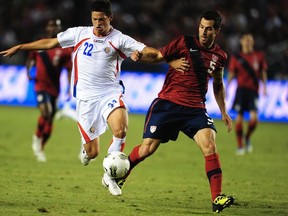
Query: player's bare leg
118, 122
251, 128
43, 131
90, 151
239, 134
205, 139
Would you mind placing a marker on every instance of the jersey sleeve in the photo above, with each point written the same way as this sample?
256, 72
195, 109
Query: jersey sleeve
172, 49
67, 38
129, 45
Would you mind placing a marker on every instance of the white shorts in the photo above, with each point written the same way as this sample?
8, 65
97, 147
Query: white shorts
92, 115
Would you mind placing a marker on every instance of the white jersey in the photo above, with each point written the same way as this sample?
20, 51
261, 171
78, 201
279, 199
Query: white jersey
97, 60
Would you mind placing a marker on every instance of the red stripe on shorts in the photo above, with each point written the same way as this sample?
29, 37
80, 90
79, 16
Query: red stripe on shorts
86, 137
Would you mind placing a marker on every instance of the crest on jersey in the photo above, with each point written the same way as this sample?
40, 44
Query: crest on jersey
153, 128
107, 50
214, 58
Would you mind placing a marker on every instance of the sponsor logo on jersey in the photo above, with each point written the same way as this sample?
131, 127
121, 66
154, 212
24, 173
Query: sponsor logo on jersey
193, 50
98, 41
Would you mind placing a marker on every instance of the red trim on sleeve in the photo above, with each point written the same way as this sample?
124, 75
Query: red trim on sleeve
118, 51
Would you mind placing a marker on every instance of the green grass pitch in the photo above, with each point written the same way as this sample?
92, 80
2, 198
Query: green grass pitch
171, 182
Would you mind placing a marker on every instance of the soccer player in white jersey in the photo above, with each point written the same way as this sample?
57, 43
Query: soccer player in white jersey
98, 53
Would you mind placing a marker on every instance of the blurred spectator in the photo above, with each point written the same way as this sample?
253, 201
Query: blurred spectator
155, 22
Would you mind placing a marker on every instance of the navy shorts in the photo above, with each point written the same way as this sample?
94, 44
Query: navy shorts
165, 119
245, 100
45, 97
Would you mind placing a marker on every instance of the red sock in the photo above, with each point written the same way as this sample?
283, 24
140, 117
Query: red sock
40, 126
251, 127
214, 174
239, 133
122, 146
134, 157
46, 133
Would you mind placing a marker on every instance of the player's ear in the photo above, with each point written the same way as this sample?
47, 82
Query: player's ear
217, 31
111, 17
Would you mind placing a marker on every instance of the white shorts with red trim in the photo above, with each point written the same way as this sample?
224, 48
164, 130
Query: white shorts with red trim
92, 115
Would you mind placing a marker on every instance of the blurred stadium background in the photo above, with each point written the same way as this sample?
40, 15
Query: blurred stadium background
155, 22
63, 187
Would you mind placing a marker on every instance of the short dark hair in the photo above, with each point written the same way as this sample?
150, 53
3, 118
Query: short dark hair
213, 15
102, 6
246, 32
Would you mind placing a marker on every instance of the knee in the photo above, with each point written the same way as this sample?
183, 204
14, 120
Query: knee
208, 147
120, 133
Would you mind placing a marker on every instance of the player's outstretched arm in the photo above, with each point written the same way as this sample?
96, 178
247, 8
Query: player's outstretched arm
42, 44
148, 55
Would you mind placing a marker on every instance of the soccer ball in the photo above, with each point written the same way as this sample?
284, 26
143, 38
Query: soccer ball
116, 164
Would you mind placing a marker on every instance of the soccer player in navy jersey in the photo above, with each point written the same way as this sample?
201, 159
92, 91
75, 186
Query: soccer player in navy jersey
180, 105
249, 68
49, 65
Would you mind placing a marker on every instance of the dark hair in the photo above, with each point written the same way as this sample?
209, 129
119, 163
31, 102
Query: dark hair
102, 6
245, 33
213, 15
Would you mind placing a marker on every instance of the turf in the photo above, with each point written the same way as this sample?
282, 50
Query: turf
171, 182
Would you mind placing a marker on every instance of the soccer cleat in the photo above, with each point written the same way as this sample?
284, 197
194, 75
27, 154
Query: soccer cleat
120, 182
249, 147
240, 151
37, 149
59, 115
222, 201
41, 157
84, 158
111, 184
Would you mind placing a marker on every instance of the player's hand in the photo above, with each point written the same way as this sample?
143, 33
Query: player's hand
30, 78
10, 52
228, 121
136, 55
181, 64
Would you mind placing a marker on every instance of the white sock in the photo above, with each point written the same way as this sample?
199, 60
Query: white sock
116, 144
